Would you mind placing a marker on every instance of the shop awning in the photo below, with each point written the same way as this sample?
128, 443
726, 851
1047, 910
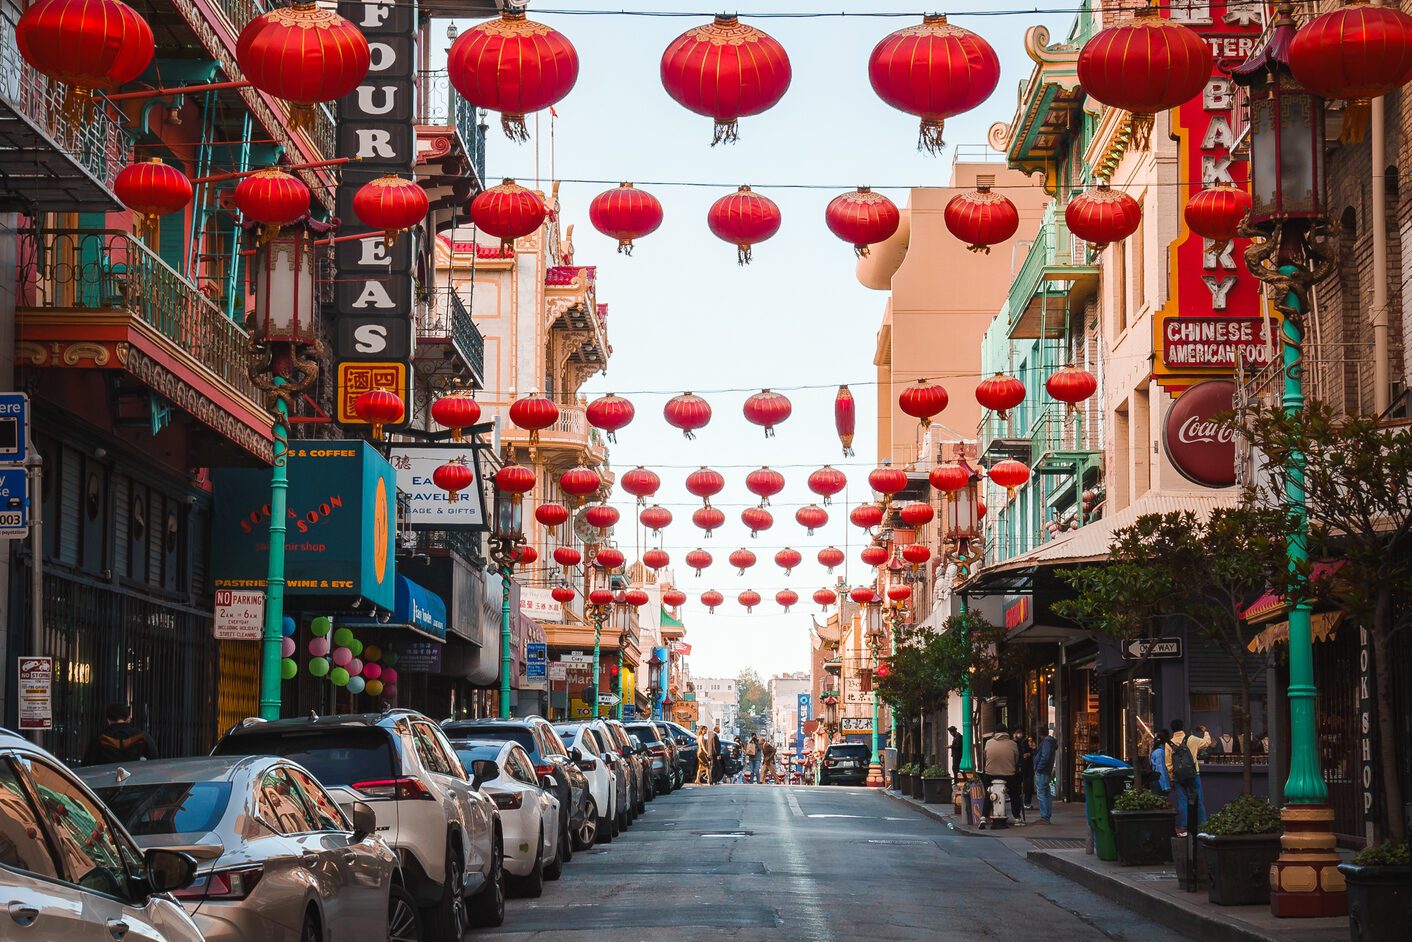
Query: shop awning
1272, 604
1322, 625
417, 609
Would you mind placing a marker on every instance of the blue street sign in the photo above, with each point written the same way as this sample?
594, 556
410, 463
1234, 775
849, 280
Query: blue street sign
536, 660
14, 502
14, 428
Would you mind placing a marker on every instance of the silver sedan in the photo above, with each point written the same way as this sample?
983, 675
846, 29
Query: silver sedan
278, 859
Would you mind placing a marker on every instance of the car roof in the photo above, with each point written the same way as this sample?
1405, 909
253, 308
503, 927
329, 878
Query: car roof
500, 744
252, 726
519, 722
160, 771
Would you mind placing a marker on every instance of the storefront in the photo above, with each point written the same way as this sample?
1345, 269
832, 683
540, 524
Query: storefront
416, 633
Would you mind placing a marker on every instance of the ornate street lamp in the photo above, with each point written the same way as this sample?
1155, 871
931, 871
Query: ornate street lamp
875, 636
283, 360
506, 537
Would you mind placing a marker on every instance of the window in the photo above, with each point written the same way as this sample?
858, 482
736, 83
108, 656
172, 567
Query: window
336, 756
588, 744
520, 767
168, 807
94, 856
429, 750
282, 806
552, 745
22, 844
324, 809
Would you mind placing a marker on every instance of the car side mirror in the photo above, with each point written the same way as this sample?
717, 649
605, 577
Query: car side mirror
364, 818
482, 771
575, 754
546, 783
169, 870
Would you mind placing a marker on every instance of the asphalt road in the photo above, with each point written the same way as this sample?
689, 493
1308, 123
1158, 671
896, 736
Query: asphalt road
765, 862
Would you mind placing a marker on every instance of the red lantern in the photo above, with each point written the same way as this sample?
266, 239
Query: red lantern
811, 517
390, 203
980, 510
272, 197
1102, 216
1216, 212
708, 519
866, 516
899, 593
609, 413
917, 514
567, 556
845, 419
711, 598
150, 188
525, 555
981, 218
916, 553
949, 478
1145, 65
534, 414
1000, 393
749, 598
551, 515
935, 71
827, 481
887, 480
764, 483
453, 477
824, 598
656, 559
767, 409
1357, 52
378, 407
457, 411
862, 218
705, 484
924, 401
88, 45
830, 556
864, 595
304, 54
513, 65
743, 218
562, 594
1071, 385
884, 670
625, 213
641, 483
608, 558
698, 559
687, 412
580, 482
508, 212
515, 479
786, 598
757, 519
601, 597
787, 559
725, 70
602, 516
655, 518
1010, 474
873, 555
674, 598
742, 559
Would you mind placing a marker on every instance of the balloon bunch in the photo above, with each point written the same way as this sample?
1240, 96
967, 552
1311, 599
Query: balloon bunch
338, 655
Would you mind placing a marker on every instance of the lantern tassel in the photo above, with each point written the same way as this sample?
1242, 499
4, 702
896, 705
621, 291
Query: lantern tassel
389, 238
847, 453
514, 127
929, 136
811, 531
457, 434
727, 132
1356, 116
742, 254
612, 438
377, 431
827, 502
861, 251
769, 431
689, 434
625, 247
1141, 130
453, 497
301, 117
978, 247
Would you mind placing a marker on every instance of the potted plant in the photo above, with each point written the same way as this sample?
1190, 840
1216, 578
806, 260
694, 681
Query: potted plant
1239, 843
1379, 892
917, 792
904, 778
1143, 824
936, 785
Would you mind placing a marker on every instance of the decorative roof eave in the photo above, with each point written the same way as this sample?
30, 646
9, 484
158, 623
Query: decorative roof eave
1111, 141
1046, 104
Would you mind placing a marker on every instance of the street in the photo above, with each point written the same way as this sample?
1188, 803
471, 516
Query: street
771, 862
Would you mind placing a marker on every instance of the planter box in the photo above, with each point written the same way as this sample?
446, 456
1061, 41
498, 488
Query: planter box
936, 791
917, 787
1238, 867
1144, 837
1379, 901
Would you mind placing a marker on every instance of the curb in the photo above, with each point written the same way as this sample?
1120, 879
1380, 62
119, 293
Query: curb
931, 811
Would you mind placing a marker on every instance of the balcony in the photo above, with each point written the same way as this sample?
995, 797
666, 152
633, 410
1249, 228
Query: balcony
1058, 443
448, 341
570, 435
1054, 278
440, 106
99, 299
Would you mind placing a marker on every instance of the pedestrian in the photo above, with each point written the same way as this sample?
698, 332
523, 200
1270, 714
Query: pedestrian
1184, 771
1044, 755
1002, 764
120, 740
740, 754
753, 756
767, 749
1026, 767
956, 745
705, 755
1158, 761
718, 762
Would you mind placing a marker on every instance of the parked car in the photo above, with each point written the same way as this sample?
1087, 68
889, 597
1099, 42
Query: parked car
446, 832
278, 859
845, 763
529, 812
68, 867
686, 747
551, 760
732, 758
640, 750
623, 772
593, 760
640, 764
662, 752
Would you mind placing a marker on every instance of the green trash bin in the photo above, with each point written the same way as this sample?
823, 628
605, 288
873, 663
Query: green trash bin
1101, 788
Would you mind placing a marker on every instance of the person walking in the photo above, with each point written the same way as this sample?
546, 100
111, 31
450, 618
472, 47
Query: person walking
956, 745
753, 756
705, 755
1158, 761
767, 749
740, 770
1002, 764
718, 761
1026, 767
1184, 771
120, 740
1044, 757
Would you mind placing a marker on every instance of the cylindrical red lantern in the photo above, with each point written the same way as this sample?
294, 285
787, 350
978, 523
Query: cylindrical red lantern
562, 594
981, 218
508, 212
515, 479
786, 598
1102, 216
742, 559
705, 484
379, 408
525, 555
567, 556
725, 70
580, 481
949, 478
1010, 474
674, 598
1145, 64
916, 553
787, 559
609, 413
749, 598
862, 218
708, 519
625, 213
608, 557
151, 188
866, 516
513, 65
304, 54
864, 595
1216, 212
551, 515
687, 412
811, 517
655, 518
698, 559
453, 477
656, 558
826, 482
935, 71
711, 598
602, 516
757, 519
824, 598
1355, 53
830, 556
1071, 385
641, 483
1000, 393
873, 555
764, 483
390, 203
601, 597
923, 401
743, 218
899, 593
88, 45
845, 419
887, 480
456, 411
767, 409
917, 514
271, 197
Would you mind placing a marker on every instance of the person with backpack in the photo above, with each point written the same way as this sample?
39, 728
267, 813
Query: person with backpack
119, 740
753, 756
1184, 772
1044, 755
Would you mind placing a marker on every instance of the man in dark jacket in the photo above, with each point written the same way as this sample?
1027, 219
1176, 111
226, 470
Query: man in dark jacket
956, 746
1044, 756
120, 740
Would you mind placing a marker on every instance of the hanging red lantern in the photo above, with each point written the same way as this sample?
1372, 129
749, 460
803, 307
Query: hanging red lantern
743, 218
601, 597
1071, 385
655, 518
580, 481
1103, 216
656, 558
525, 555
567, 556
830, 556
864, 595
453, 477
923, 401
980, 510
1356, 53
767, 409
757, 519
608, 557
705, 484
562, 594
1010, 474
609, 414
862, 218
786, 598
949, 478
811, 517
508, 212
787, 559
1000, 393
981, 218
866, 516
708, 519
917, 514
625, 213
749, 598
725, 70
151, 189
698, 559
916, 553
602, 516
887, 480
392, 204
1216, 212
824, 598
88, 45
884, 670
551, 515
456, 411
640, 483
711, 598
935, 71
304, 54
826, 482
687, 412
674, 598
272, 198
742, 559
534, 414
379, 408
764, 483
845, 419
513, 65
1145, 64
515, 479
873, 555
899, 593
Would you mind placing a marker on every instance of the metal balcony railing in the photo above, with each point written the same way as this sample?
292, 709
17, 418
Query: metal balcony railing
444, 315
1054, 245
440, 104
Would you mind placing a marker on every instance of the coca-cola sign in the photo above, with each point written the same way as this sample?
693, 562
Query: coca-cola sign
1198, 445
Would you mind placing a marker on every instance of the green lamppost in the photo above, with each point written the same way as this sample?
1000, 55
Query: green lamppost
600, 603
1288, 228
875, 635
506, 538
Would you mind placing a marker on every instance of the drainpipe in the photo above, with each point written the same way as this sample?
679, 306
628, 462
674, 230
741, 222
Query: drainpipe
1382, 367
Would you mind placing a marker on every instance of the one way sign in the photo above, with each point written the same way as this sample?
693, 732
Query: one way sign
1158, 649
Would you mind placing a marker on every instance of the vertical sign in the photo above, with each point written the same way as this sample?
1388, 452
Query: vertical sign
1365, 729
36, 685
376, 127
804, 713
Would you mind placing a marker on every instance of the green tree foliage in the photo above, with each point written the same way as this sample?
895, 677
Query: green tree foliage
927, 665
754, 695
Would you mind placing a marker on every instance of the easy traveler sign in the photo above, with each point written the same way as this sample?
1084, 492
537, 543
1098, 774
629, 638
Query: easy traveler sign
427, 504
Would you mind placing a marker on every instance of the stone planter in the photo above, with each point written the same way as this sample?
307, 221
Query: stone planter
1379, 902
1238, 867
936, 791
1144, 837
904, 784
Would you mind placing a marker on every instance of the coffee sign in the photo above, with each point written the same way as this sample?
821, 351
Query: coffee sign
1198, 444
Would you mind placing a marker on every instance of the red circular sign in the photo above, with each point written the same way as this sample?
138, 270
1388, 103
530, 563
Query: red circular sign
1199, 446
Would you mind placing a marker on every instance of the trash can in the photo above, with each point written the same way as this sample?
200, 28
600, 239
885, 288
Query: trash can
1101, 787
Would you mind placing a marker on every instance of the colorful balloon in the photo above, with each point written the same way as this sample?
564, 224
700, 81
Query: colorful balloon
342, 656
318, 667
372, 671
287, 647
321, 626
356, 647
373, 688
372, 653
318, 647
343, 637
287, 668
389, 677
339, 677
355, 685
355, 667
288, 626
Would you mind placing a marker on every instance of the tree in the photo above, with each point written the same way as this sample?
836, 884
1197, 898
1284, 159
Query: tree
753, 699
1203, 571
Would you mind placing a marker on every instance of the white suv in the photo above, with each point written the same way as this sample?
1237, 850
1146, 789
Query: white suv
592, 758
446, 832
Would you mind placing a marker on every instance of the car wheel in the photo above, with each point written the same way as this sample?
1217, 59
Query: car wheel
449, 921
605, 830
488, 906
555, 868
531, 886
310, 932
587, 832
566, 843
404, 923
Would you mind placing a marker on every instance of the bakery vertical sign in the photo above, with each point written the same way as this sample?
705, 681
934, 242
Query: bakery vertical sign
1214, 315
373, 295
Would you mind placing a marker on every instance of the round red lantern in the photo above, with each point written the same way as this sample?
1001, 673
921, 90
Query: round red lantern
687, 412
271, 197
602, 516
935, 71
811, 517
151, 188
917, 514
601, 597
1071, 385
513, 65
379, 408
764, 483
567, 556
845, 419
1145, 64
767, 409
625, 213
640, 483
534, 414
453, 477
705, 484
866, 516
457, 411
757, 519
864, 595
1010, 474
580, 481
980, 510
1216, 212
887, 480
949, 478
698, 559
711, 598
551, 515
708, 519
674, 598
923, 401
873, 555
88, 45
827, 481
1102, 216
786, 597
1000, 393
608, 557
390, 203
743, 218
515, 479
525, 555
304, 54
981, 218
1356, 53
899, 593
562, 594
862, 218
884, 670
824, 598
726, 71
749, 598
830, 556
787, 559
609, 413
916, 553
656, 558
742, 559
508, 212
655, 518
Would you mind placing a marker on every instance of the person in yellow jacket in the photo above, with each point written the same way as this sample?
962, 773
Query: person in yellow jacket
705, 755
1184, 772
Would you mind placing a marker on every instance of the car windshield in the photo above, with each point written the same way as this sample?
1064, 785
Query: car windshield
567, 733
646, 732
473, 753
340, 756
850, 752
168, 807
519, 734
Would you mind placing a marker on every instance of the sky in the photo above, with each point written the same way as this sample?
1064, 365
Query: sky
682, 315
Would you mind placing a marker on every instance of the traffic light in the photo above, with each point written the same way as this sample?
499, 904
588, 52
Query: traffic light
613, 672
